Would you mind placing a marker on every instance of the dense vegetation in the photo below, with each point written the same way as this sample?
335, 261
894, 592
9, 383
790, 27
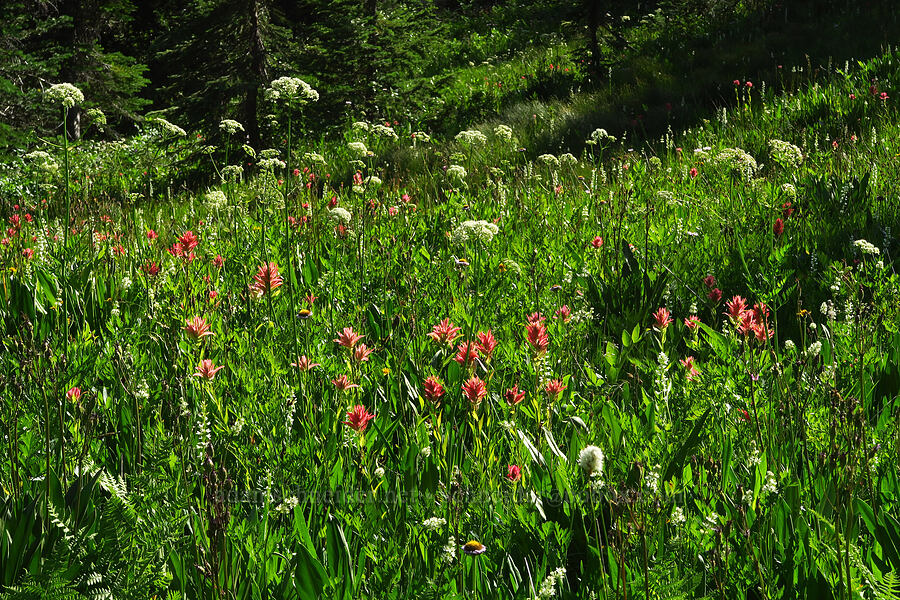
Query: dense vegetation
568, 309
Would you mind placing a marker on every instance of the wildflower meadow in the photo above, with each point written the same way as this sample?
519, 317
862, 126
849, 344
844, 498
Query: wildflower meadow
246, 361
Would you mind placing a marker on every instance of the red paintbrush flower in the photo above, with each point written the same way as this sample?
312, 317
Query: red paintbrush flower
207, 370
343, 384
358, 418
348, 338
197, 328
444, 332
486, 344
434, 391
474, 390
554, 388
661, 318
266, 280
466, 353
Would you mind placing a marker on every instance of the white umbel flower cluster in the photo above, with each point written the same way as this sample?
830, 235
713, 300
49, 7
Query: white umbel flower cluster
482, 231
867, 247
42, 161
456, 173
292, 89
600, 136
230, 126
64, 93
471, 137
738, 161
785, 154
165, 127
434, 523
549, 160
503, 132
342, 215
215, 199
313, 158
358, 149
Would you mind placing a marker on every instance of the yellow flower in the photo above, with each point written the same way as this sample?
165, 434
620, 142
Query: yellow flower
386, 371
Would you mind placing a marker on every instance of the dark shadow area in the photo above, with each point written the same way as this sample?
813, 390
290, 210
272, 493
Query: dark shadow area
680, 77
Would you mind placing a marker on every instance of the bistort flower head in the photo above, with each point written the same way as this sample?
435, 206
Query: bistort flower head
591, 460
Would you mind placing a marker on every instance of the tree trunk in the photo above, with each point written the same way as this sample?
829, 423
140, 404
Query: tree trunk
86, 24
593, 8
258, 75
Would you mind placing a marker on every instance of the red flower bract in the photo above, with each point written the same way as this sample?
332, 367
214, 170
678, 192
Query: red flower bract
466, 353
348, 338
434, 391
444, 332
554, 388
207, 370
514, 473
537, 338
303, 363
361, 353
474, 390
266, 280
358, 418
343, 384
513, 396
486, 344
735, 309
197, 328
661, 318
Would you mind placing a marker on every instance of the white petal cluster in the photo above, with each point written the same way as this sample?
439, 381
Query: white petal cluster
591, 460
292, 89
867, 247
342, 215
434, 523
43, 161
64, 93
358, 149
549, 160
738, 161
467, 231
471, 137
551, 583
456, 173
785, 154
503, 132
230, 126
165, 127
